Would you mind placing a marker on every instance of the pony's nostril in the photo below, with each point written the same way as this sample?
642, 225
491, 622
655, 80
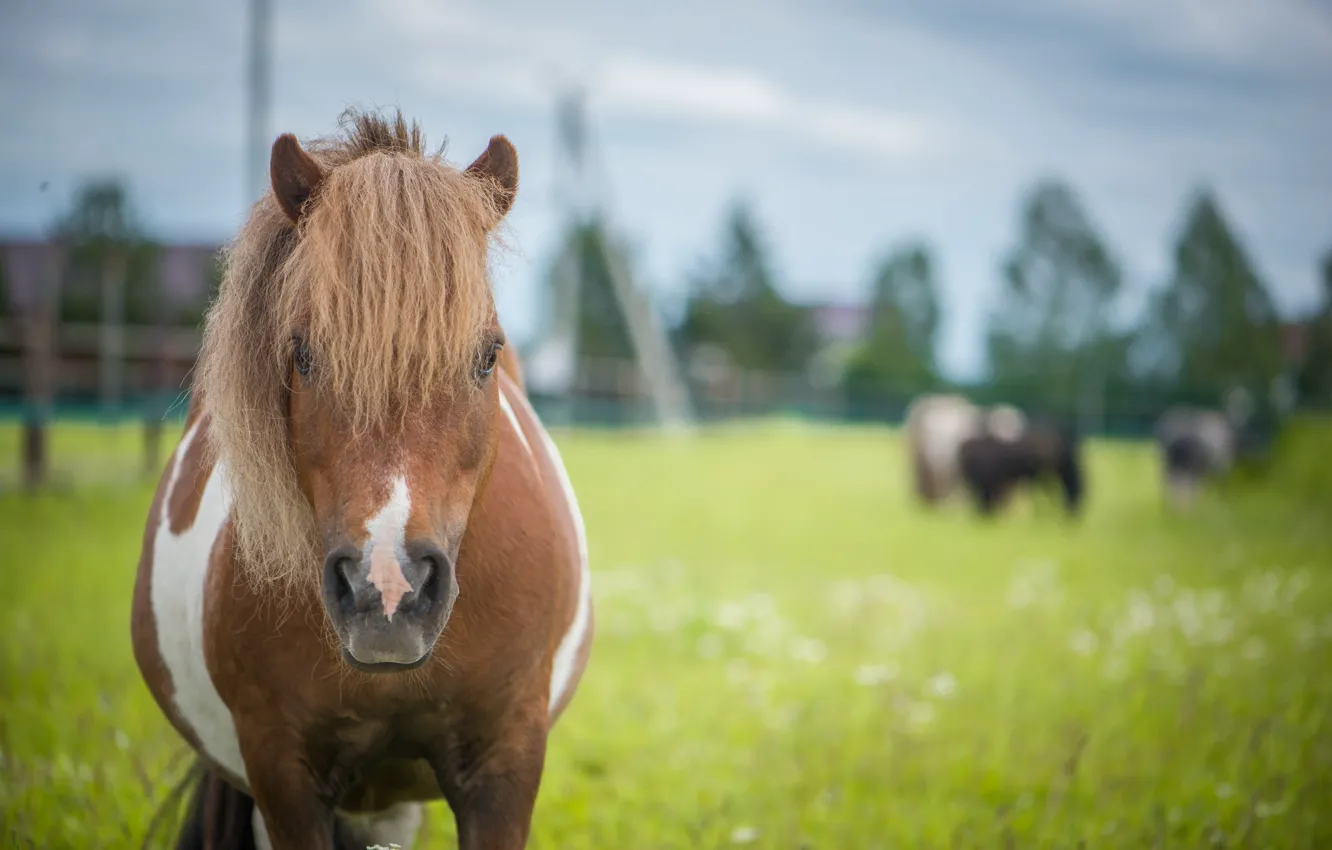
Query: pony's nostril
339, 571
342, 588
430, 587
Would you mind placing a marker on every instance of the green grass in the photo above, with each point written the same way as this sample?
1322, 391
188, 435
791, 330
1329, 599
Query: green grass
791, 654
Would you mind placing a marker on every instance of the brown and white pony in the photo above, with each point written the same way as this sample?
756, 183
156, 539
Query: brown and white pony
364, 576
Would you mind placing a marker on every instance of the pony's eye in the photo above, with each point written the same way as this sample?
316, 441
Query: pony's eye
487, 363
301, 358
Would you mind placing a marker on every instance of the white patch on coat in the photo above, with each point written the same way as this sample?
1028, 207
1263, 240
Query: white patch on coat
397, 826
566, 654
1005, 422
513, 420
387, 546
180, 569
944, 428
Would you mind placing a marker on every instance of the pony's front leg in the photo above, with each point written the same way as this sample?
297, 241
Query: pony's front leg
491, 785
295, 809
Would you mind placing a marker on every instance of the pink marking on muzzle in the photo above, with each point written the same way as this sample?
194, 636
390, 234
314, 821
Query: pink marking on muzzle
386, 575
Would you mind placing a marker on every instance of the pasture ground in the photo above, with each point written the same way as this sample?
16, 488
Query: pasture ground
791, 654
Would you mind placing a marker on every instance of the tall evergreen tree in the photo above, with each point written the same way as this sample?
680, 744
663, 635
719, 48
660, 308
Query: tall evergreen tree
586, 251
101, 227
1051, 337
897, 356
1315, 378
734, 305
1218, 324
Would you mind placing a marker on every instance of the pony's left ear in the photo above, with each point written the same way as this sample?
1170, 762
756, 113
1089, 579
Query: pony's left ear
499, 164
295, 175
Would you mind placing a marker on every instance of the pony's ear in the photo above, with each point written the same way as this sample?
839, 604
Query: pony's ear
499, 164
294, 173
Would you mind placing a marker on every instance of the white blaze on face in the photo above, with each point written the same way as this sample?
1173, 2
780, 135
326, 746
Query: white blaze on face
387, 544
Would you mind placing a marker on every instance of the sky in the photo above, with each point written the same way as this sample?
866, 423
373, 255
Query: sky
849, 126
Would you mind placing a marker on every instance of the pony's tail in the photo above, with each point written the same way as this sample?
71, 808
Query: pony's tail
218, 817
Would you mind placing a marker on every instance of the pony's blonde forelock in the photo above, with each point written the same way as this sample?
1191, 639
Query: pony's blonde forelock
385, 278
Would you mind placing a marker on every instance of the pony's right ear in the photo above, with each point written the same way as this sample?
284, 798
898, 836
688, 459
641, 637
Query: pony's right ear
295, 175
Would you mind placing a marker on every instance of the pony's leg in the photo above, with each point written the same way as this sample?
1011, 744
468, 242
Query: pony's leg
396, 825
289, 805
491, 785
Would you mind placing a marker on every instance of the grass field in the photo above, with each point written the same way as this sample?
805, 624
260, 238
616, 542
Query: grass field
791, 654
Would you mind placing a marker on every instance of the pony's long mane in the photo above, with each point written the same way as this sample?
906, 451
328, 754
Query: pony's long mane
385, 278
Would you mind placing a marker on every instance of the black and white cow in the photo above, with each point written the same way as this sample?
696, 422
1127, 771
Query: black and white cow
1196, 445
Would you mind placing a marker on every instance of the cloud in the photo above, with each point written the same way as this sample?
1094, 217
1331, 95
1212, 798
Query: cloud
851, 125
655, 87
1274, 35
468, 52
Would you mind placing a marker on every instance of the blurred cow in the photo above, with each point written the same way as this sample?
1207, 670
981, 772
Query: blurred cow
1196, 446
937, 426
993, 465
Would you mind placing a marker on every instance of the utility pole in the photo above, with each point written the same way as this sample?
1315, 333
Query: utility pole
258, 72
556, 357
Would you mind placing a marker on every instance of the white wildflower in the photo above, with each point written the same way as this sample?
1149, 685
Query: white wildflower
943, 685
809, 650
1083, 642
1141, 614
1212, 602
846, 596
920, 714
732, 616
1221, 631
744, 835
1164, 584
709, 646
875, 674
1305, 633
1116, 668
1253, 650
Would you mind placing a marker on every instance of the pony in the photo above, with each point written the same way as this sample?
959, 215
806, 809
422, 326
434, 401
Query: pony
937, 426
993, 465
364, 579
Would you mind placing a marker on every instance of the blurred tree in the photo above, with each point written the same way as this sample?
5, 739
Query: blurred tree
6, 309
1314, 382
602, 330
735, 306
190, 312
1051, 340
897, 356
1216, 323
101, 232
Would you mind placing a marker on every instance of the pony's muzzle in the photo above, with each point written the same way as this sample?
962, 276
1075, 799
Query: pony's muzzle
388, 608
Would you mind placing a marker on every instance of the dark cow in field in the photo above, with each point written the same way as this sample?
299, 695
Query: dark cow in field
994, 465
